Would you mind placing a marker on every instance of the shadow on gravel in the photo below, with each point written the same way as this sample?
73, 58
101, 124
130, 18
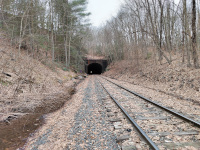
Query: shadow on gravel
15, 132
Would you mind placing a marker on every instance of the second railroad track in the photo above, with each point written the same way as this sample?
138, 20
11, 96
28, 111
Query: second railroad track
159, 126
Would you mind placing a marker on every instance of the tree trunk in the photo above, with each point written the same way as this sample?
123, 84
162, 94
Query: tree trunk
66, 58
186, 32
194, 36
183, 33
52, 33
69, 49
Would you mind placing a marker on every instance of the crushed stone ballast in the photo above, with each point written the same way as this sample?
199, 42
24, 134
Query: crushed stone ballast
172, 117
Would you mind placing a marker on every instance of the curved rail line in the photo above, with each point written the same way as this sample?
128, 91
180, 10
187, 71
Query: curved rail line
137, 127
197, 124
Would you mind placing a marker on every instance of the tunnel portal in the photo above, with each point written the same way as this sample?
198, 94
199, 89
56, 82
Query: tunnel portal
94, 68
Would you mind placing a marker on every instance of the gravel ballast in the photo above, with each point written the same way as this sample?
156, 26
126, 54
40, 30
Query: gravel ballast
81, 124
91, 130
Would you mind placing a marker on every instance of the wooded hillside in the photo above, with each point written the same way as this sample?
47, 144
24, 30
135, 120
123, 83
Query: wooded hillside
155, 29
47, 29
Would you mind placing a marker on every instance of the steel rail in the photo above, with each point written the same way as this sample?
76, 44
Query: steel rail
158, 105
140, 131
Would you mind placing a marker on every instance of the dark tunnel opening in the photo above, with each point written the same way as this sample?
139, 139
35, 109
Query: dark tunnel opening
94, 68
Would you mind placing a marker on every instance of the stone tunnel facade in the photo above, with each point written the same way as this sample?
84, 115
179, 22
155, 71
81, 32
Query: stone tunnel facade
95, 66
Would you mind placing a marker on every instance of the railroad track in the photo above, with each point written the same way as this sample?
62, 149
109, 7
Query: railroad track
159, 126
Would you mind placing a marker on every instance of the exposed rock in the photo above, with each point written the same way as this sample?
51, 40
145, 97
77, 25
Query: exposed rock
122, 138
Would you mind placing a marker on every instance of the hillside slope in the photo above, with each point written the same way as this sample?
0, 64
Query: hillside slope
175, 79
28, 90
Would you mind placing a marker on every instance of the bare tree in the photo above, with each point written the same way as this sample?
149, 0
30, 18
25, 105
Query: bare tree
194, 36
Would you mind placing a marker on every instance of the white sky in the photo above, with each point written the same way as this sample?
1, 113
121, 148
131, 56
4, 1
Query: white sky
102, 10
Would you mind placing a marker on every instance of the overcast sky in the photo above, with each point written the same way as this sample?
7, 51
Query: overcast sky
102, 10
